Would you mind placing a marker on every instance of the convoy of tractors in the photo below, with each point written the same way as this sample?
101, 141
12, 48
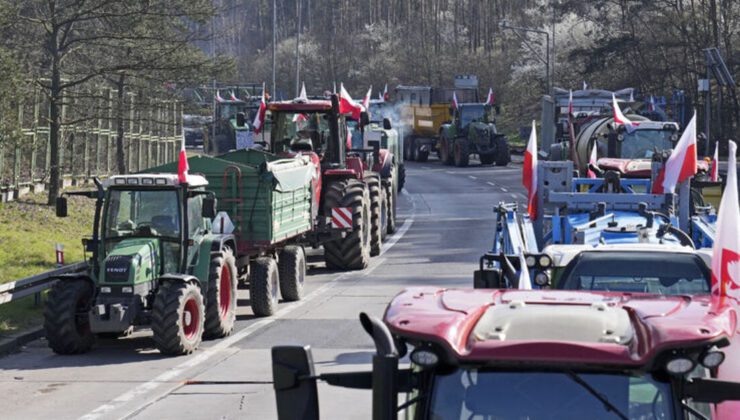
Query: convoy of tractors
568, 303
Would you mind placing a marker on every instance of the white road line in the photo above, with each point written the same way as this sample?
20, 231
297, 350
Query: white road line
472, 177
450, 172
145, 390
504, 189
514, 195
491, 184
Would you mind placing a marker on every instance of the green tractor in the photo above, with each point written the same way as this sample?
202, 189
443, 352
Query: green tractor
155, 261
472, 131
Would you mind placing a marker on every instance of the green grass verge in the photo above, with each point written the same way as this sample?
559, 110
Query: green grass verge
29, 231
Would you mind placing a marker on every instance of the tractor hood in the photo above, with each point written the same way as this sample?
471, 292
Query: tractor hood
131, 261
636, 168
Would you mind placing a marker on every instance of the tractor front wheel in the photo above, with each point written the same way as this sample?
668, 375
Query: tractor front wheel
503, 153
462, 153
264, 281
292, 272
221, 300
444, 151
375, 188
401, 176
66, 319
178, 318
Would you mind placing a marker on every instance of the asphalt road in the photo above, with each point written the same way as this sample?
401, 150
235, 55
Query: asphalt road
445, 221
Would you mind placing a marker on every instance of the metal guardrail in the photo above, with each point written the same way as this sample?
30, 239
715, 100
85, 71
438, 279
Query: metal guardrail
35, 284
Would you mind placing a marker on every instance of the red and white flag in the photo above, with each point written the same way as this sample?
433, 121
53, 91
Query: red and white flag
726, 249
620, 118
233, 97
529, 176
347, 105
366, 99
303, 94
651, 104
570, 104
714, 165
681, 165
455, 104
182, 163
490, 98
259, 119
386, 96
592, 162
218, 97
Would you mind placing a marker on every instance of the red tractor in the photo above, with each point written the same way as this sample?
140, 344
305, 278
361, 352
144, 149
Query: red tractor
534, 354
351, 203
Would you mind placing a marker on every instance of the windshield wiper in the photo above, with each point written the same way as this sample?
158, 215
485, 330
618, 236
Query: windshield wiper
607, 404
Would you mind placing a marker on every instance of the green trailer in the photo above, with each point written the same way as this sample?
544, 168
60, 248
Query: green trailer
265, 202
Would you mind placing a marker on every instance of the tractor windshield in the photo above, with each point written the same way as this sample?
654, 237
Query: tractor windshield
228, 110
295, 130
672, 274
142, 213
641, 144
470, 113
474, 393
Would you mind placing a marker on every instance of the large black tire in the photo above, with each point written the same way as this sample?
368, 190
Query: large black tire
461, 153
503, 154
444, 151
384, 209
422, 155
353, 251
66, 319
401, 176
413, 149
375, 189
264, 281
391, 196
292, 272
178, 318
221, 297
487, 159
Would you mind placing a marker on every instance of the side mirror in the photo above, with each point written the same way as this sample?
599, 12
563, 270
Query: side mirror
294, 381
61, 206
386, 124
364, 119
711, 391
240, 120
209, 208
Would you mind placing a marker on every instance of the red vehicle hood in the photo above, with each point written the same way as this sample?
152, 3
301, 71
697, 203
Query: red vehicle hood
636, 168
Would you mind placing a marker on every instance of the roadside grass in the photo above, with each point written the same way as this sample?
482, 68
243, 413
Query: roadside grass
29, 230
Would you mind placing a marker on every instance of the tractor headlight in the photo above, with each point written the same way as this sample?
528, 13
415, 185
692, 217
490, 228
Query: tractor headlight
127, 289
680, 366
541, 279
712, 358
105, 290
545, 261
531, 261
424, 357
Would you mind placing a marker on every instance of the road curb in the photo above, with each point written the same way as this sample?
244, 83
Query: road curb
13, 342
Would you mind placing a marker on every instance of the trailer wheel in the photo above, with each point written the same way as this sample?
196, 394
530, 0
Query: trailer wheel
390, 202
462, 153
375, 189
221, 298
292, 272
412, 149
263, 286
66, 319
401, 176
353, 251
444, 151
422, 155
178, 318
487, 158
503, 154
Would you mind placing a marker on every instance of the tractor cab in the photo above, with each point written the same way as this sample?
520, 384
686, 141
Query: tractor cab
535, 354
467, 114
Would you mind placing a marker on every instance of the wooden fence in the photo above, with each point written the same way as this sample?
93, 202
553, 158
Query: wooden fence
152, 130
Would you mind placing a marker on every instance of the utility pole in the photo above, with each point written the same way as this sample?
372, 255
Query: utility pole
274, 41
504, 24
298, 51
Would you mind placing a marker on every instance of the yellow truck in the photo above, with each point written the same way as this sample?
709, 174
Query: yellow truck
424, 109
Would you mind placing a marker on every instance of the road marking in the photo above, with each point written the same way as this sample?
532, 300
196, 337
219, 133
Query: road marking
491, 184
504, 189
514, 195
472, 177
450, 172
146, 388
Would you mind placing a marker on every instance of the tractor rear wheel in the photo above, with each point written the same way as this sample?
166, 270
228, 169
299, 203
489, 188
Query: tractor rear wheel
66, 319
292, 272
353, 251
390, 202
487, 158
221, 298
375, 188
401, 176
264, 281
462, 153
444, 151
503, 154
178, 318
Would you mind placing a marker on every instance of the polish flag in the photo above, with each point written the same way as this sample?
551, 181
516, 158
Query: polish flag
681, 165
454, 100
529, 177
490, 98
570, 104
386, 96
592, 161
726, 249
299, 118
651, 104
233, 97
347, 105
620, 118
218, 97
366, 99
182, 163
585, 85
525, 282
303, 95
259, 119
714, 165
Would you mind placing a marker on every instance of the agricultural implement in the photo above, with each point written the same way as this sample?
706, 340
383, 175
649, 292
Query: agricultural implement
529, 354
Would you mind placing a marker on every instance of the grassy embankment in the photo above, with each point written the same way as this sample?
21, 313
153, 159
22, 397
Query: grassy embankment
29, 231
